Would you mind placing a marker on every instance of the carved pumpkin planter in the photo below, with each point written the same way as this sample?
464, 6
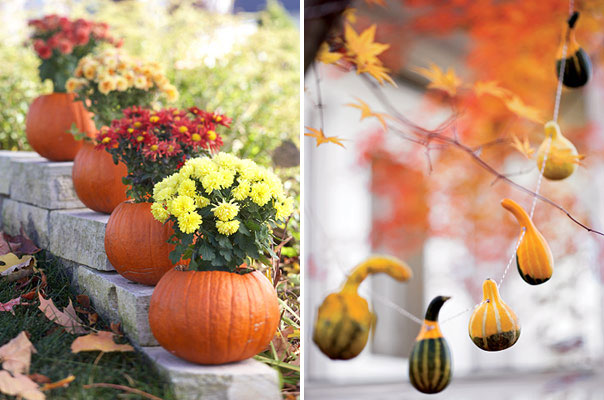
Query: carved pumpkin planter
97, 180
49, 121
136, 244
214, 317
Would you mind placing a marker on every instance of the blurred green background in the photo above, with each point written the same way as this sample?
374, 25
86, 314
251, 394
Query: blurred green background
246, 65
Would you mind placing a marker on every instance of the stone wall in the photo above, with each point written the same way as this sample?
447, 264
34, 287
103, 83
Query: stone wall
37, 195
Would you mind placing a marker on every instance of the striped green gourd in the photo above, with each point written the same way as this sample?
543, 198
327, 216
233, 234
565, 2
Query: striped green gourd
430, 359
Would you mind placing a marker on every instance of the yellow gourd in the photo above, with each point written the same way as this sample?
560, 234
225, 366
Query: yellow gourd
344, 320
534, 258
562, 157
493, 325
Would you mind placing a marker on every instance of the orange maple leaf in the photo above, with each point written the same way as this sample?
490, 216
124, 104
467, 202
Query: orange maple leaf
380, 73
321, 138
448, 82
518, 107
366, 112
524, 147
492, 88
361, 48
327, 57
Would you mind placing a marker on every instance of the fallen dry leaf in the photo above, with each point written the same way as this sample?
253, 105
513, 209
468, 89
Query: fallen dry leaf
14, 268
20, 385
8, 306
68, 318
116, 327
39, 378
20, 244
101, 341
62, 383
83, 300
16, 354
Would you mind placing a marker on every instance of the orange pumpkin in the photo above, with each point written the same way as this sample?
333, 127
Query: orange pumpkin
136, 244
214, 317
49, 121
97, 180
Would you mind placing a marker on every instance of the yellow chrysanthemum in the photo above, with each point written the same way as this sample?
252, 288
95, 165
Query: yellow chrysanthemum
74, 84
260, 193
121, 84
140, 82
107, 84
202, 202
201, 166
227, 177
159, 212
181, 205
164, 194
89, 69
189, 222
212, 181
225, 211
227, 228
248, 170
284, 207
226, 160
242, 191
187, 188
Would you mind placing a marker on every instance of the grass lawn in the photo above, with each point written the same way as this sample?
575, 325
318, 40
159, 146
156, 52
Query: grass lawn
54, 358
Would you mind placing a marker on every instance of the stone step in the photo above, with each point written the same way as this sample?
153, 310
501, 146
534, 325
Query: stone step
244, 380
42, 183
116, 299
5, 167
34, 221
79, 235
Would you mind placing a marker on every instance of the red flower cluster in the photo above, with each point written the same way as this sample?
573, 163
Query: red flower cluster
54, 32
166, 133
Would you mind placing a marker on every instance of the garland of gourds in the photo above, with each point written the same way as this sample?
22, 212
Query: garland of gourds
344, 319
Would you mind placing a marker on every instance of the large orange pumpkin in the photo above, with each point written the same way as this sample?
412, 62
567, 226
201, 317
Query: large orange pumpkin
49, 121
136, 244
97, 180
214, 317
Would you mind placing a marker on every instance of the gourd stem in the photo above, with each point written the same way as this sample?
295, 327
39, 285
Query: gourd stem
392, 266
572, 20
434, 308
490, 291
518, 212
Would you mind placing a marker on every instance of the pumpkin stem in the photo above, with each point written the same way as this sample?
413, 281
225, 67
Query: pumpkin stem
434, 308
521, 215
392, 266
490, 291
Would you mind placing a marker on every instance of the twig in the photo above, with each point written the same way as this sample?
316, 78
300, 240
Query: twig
438, 135
124, 388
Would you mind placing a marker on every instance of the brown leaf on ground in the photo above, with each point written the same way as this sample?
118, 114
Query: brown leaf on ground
101, 341
116, 328
93, 318
39, 378
20, 385
20, 244
58, 384
68, 318
14, 268
16, 354
8, 306
83, 300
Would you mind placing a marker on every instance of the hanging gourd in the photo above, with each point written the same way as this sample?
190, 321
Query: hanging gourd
430, 359
562, 156
344, 320
533, 258
577, 68
493, 325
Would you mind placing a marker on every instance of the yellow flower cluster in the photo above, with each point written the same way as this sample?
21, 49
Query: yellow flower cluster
225, 182
114, 70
